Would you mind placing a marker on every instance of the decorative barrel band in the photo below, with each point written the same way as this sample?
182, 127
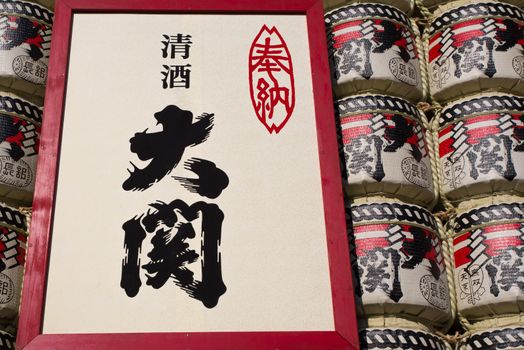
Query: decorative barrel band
346, 13
392, 211
473, 47
481, 146
362, 103
486, 215
474, 10
406, 6
405, 339
398, 261
482, 104
374, 47
19, 107
489, 258
12, 217
27, 9
495, 339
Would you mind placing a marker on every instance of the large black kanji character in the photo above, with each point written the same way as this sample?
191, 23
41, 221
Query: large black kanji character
364, 154
477, 54
492, 153
506, 270
171, 255
374, 270
165, 148
176, 44
354, 55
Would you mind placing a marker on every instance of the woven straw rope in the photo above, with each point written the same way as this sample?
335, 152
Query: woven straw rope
449, 260
425, 79
423, 9
436, 155
432, 160
421, 48
451, 234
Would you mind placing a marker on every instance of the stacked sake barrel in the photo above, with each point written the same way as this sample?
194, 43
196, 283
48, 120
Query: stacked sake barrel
399, 251
25, 33
476, 73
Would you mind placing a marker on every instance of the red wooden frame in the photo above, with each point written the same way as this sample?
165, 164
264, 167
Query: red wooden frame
32, 310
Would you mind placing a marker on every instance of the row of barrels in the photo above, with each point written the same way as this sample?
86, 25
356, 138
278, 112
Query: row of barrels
25, 40
430, 115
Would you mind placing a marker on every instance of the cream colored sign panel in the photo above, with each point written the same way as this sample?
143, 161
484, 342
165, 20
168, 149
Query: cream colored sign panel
269, 260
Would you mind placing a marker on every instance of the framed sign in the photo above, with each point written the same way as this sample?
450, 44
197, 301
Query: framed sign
188, 192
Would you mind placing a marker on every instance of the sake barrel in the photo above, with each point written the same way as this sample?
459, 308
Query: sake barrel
406, 6
481, 146
20, 123
7, 341
398, 261
12, 258
509, 338
374, 47
383, 142
25, 34
400, 338
474, 46
488, 247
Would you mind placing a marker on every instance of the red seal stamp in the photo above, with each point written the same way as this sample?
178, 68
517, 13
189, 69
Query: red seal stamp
271, 79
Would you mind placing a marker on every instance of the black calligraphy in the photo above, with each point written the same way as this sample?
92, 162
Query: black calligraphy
492, 153
506, 270
354, 56
476, 53
365, 154
176, 47
165, 148
173, 226
374, 272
